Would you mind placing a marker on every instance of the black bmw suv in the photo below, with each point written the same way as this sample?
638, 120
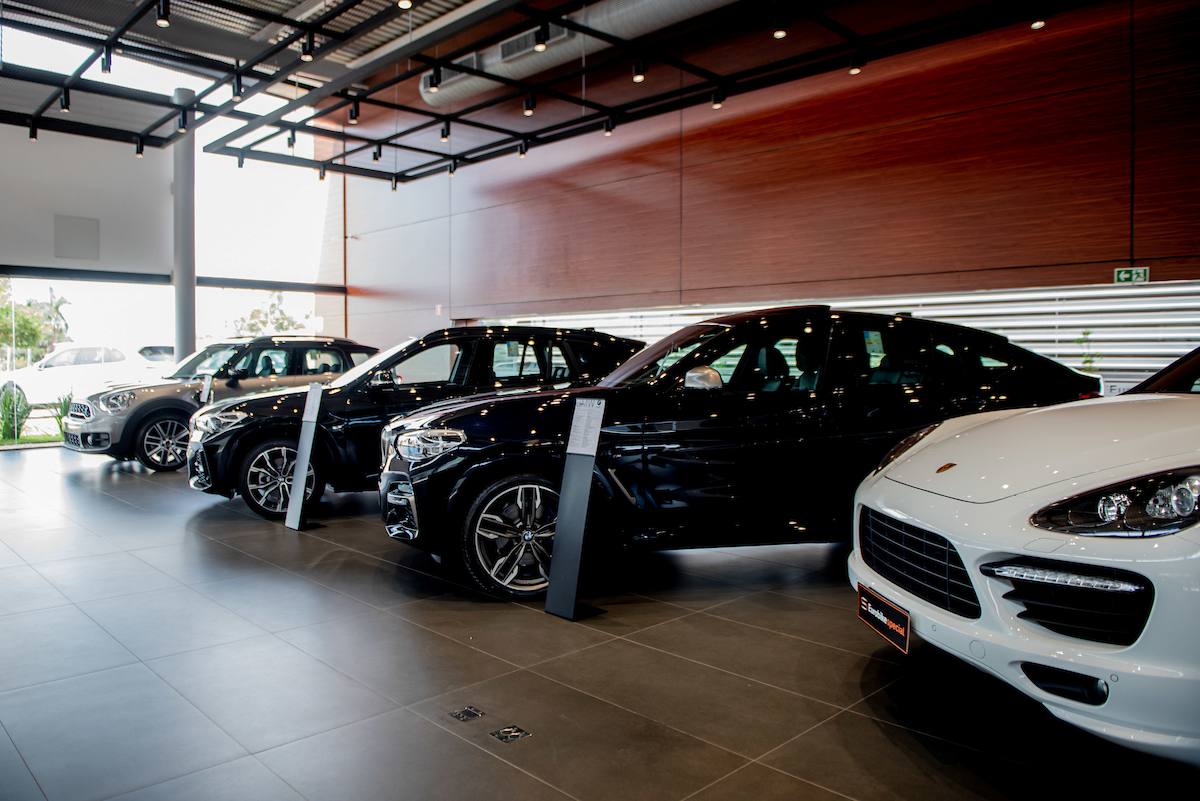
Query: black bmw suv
745, 429
248, 445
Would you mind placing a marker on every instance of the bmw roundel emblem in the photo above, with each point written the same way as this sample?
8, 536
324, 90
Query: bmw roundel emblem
946, 467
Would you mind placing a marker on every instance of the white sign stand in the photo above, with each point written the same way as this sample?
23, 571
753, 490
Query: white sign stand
206, 390
308, 432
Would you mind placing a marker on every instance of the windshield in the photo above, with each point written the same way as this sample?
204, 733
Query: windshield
1183, 375
658, 358
205, 362
371, 364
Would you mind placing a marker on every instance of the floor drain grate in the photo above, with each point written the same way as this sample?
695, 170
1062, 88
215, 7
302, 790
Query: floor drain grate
466, 713
510, 734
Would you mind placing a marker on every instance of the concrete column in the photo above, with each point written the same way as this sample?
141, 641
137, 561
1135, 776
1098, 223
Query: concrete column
184, 275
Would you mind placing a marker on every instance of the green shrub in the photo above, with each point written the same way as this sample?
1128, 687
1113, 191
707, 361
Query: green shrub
61, 409
14, 411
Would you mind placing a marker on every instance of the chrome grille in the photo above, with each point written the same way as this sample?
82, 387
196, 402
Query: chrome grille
80, 411
918, 561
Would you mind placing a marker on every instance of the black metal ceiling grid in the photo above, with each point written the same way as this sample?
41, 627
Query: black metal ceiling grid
315, 52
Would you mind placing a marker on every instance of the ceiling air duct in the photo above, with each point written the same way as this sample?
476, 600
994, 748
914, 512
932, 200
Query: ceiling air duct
517, 58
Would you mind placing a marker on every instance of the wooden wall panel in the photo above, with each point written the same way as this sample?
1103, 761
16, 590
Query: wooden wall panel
611, 239
1050, 186
1002, 160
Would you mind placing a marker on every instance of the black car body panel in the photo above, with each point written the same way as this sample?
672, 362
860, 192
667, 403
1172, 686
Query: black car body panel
811, 400
355, 408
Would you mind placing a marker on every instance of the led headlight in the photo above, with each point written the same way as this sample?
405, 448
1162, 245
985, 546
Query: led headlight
904, 446
421, 444
1150, 506
216, 422
113, 402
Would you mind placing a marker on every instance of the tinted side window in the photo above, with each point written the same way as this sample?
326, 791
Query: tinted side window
560, 369
595, 358
63, 358
515, 361
359, 356
321, 361
112, 355
437, 364
89, 356
263, 362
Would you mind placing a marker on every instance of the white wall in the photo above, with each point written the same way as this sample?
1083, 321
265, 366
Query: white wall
81, 177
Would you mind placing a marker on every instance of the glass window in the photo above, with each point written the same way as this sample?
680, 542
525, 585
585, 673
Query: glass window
158, 353
658, 358
439, 363
89, 356
62, 358
264, 362
321, 361
559, 369
113, 355
513, 359
359, 356
727, 363
206, 362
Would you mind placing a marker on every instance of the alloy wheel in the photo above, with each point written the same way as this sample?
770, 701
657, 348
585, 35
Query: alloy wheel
514, 537
166, 443
269, 478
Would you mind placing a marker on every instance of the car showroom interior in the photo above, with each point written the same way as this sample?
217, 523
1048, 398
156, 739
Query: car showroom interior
607, 400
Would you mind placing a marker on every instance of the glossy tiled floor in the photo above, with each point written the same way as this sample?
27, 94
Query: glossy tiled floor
157, 643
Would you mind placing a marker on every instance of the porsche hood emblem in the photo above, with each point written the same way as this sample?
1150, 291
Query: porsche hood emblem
946, 467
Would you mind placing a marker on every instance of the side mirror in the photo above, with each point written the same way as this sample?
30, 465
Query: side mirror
44, 366
703, 378
237, 375
382, 379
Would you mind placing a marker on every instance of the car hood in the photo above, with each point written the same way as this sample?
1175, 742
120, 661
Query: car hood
494, 414
1004, 456
276, 402
148, 388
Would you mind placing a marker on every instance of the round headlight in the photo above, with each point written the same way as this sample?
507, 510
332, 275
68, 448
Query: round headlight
117, 401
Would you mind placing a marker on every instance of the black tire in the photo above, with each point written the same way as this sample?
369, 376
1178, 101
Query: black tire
265, 464
522, 512
20, 393
161, 441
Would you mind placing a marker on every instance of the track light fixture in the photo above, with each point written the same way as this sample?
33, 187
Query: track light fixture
164, 14
453, 166
353, 115
307, 47
321, 173
241, 160
291, 141
405, 5
530, 105
435, 78
139, 148
718, 99
779, 33
33, 132
639, 71
183, 121
1038, 24
238, 93
106, 59
64, 100
541, 36
609, 126
855, 68
522, 149
377, 153
395, 181
445, 137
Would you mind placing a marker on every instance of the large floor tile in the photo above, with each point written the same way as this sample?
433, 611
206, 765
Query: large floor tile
8, 557
242, 780
588, 747
399, 756
827, 674
23, 589
16, 782
54, 644
874, 761
265, 692
373, 581
196, 560
734, 713
281, 600
58, 543
395, 657
106, 733
154, 624
626, 613
87, 578
809, 620
283, 547
763, 784
510, 631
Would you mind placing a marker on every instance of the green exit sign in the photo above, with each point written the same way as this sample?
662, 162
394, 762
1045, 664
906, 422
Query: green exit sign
1131, 275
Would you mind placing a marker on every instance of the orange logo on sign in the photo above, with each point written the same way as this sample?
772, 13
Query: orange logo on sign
946, 467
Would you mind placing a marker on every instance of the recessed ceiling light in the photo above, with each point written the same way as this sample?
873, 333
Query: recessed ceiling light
1037, 25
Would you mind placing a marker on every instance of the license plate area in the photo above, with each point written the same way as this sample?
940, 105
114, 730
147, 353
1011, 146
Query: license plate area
884, 617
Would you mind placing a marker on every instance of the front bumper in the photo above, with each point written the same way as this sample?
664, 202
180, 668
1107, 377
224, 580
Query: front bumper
98, 433
1153, 685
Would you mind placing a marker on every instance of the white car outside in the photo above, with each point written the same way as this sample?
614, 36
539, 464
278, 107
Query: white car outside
76, 369
1078, 530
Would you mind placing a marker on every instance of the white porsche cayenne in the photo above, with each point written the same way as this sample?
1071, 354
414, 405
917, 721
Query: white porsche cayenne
1056, 548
